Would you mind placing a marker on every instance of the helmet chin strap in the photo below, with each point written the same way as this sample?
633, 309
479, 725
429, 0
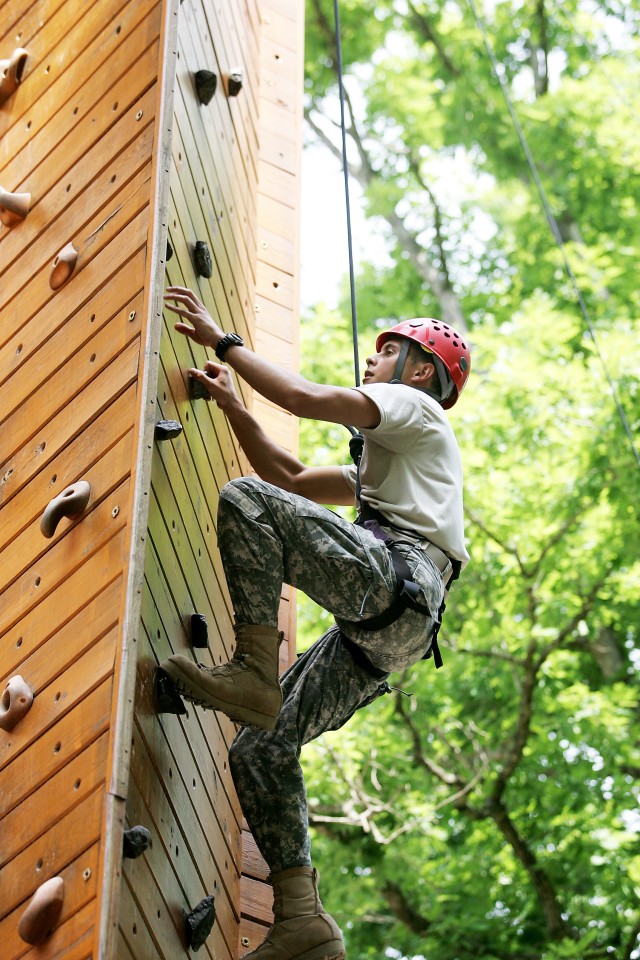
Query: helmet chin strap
443, 379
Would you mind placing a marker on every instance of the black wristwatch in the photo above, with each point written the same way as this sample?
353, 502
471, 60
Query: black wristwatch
229, 340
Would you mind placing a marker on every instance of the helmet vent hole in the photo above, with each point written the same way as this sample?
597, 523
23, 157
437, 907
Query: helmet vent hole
447, 334
455, 343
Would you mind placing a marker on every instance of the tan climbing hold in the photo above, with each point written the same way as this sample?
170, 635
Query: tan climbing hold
63, 266
43, 911
13, 207
69, 503
11, 73
16, 701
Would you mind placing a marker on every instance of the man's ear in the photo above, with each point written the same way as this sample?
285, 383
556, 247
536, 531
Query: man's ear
422, 374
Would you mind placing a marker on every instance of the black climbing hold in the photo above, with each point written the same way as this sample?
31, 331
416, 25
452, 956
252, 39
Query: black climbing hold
234, 83
169, 251
199, 631
197, 390
135, 841
167, 429
206, 83
204, 263
168, 700
199, 923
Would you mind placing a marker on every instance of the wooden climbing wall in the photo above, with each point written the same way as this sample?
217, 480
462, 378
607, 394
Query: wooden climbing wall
106, 133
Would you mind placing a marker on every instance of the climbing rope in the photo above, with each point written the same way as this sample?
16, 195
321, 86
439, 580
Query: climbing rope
345, 171
552, 223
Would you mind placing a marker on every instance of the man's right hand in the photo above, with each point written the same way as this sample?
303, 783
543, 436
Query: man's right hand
203, 329
218, 382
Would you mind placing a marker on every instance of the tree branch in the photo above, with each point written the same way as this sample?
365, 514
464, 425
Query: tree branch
426, 30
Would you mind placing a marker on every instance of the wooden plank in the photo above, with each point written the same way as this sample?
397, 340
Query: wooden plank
52, 657
51, 853
65, 557
207, 733
52, 437
252, 934
73, 461
120, 79
74, 40
78, 197
70, 937
50, 313
40, 810
129, 204
76, 592
184, 878
55, 394
59, 697
253, 863
103, 477
135, 931
274, 284
281, 185
279, 29
56, 747
21, 20
256, 900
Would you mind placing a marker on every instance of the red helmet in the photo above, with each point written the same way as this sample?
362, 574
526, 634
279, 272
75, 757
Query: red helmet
443, 341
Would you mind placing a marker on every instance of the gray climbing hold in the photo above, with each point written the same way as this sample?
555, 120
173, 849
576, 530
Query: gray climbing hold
234, 83
197, 390
204, 263
135, 841
168, 700
206, 83
167, 429
199, 632
199, 923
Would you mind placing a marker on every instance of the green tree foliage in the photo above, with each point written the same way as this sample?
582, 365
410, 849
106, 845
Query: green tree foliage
493, 813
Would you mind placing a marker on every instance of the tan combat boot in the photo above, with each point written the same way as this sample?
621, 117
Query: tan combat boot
301, 929
246, 688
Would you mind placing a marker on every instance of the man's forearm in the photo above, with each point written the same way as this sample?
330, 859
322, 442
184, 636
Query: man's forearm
269, 460
282, 387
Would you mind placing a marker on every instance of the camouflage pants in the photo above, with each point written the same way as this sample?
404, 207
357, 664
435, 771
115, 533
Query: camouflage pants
268, 537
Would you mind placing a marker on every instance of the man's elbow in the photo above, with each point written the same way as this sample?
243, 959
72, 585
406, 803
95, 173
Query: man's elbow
306, 401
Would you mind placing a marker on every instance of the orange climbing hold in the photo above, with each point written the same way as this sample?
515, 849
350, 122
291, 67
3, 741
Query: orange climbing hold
16, 701
63, 266
69, 503
13, 207
43, 911
11, 73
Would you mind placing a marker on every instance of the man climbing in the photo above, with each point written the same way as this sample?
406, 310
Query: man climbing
383, 578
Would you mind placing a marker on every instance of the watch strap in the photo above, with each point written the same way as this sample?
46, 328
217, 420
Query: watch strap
229, 340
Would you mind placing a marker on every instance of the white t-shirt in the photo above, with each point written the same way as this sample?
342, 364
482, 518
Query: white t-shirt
411, 469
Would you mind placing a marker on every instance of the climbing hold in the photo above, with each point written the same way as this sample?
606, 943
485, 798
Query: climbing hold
135, 841
44, 909
206, 83
197, 390
168, 700
13, 207
167, 429
204, 263
234, 83
199, 923
11, 72
63, 266
169, 252
69, 503
16, 701
199, 631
